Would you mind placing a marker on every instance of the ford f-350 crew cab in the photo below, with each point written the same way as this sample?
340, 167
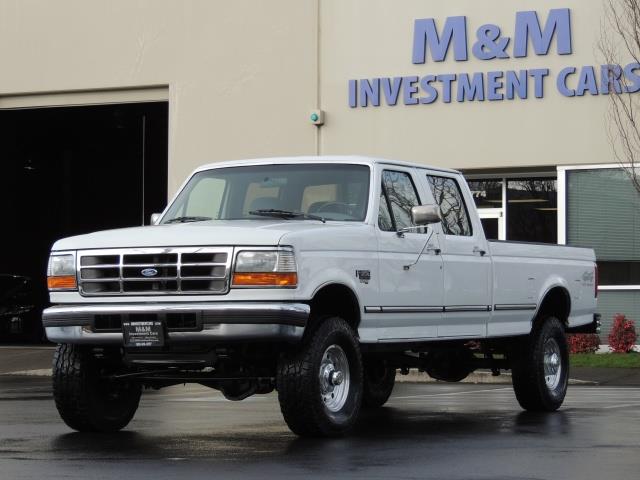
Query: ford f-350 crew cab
319, 277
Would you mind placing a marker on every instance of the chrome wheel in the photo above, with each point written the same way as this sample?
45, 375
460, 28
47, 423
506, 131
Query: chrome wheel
552, 363
334, 378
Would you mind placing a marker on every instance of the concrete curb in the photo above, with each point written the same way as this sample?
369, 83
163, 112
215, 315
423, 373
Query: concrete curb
414, 376
41, 372
477, 377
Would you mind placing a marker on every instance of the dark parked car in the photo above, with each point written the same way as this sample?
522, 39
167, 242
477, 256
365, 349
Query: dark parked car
19, 311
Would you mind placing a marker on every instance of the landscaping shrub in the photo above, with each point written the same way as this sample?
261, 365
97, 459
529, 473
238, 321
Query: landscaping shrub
623, 334
583, 343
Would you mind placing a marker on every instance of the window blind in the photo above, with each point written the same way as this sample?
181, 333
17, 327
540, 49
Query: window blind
603, 212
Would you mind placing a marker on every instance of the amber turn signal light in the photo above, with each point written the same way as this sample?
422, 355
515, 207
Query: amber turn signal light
65, 282
282, 279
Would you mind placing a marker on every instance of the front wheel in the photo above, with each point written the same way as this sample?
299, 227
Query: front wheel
87, 401
320, 385
541, 368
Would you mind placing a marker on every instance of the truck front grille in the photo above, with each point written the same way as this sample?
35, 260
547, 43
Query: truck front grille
154, 271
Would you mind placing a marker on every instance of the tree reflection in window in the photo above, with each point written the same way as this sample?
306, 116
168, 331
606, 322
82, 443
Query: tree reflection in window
486, 193
446, 192
401, 194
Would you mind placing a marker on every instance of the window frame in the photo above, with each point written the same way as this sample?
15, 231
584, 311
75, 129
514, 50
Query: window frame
385, 197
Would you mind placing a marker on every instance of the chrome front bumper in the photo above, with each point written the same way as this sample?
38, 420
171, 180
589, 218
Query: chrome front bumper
217, 322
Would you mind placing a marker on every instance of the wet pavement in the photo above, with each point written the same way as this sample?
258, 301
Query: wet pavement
427, 431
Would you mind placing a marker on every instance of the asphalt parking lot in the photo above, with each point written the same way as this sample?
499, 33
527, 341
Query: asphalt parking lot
451, 431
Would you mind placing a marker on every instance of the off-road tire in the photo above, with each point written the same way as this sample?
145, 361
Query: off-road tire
85, 400
379, 380
299, 385
528, 368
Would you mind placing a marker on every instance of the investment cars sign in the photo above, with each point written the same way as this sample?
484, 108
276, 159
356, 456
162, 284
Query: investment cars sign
530, 36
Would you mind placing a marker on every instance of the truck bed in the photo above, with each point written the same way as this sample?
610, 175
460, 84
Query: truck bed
524, 272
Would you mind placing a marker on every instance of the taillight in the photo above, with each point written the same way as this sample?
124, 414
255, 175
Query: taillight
595, 281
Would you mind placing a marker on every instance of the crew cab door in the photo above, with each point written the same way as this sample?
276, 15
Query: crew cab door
467, 263
411, 285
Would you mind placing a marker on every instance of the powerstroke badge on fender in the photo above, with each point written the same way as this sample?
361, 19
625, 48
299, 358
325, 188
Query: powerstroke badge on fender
364, 276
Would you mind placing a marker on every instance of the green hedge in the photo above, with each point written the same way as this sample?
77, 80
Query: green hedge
606, 360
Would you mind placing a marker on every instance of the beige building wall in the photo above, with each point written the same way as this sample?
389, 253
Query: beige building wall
242, 76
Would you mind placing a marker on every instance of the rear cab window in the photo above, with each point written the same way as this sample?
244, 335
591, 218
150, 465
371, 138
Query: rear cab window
453, 208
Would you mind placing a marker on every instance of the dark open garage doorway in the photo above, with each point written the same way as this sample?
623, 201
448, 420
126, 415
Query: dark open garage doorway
68, 171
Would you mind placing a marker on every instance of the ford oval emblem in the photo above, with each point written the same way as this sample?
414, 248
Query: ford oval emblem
149, 272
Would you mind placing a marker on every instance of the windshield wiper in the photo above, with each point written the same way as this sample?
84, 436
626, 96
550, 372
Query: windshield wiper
273, 212
187, 219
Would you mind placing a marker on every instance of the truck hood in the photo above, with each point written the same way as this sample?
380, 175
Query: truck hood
220, 232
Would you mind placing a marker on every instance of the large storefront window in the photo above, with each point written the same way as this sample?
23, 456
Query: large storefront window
532, 210
487, 193
523, 209
603, 213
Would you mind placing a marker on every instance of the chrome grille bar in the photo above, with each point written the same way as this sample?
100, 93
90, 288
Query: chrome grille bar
207, 270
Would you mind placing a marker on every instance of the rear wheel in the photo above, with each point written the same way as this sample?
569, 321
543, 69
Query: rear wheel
87, 401
320, 385
541, 368
379, 380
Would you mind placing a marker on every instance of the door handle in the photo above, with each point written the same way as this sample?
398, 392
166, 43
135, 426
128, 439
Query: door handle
431, 248
477, 249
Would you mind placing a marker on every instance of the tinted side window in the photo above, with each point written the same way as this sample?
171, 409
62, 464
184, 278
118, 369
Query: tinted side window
401, 195
447, 194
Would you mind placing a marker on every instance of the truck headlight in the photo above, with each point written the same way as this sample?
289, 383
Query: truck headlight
61, 272
265, 268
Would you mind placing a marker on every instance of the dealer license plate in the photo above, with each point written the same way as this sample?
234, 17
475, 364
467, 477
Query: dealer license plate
143, 333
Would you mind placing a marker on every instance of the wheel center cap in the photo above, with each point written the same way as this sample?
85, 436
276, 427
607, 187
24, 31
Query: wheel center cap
336, 377
554, 360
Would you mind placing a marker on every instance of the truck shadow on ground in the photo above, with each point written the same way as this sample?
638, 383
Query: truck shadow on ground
387, 428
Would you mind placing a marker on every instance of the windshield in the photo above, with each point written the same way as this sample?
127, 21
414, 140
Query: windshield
329, 191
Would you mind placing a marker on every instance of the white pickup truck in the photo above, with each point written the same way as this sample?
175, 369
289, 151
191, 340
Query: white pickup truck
319, 277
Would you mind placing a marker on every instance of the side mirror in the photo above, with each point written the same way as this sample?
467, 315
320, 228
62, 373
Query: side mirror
155, 217
425, 214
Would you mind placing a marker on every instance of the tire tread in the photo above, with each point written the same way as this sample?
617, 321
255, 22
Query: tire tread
68, 378
296, 381
528, 373
74, 393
